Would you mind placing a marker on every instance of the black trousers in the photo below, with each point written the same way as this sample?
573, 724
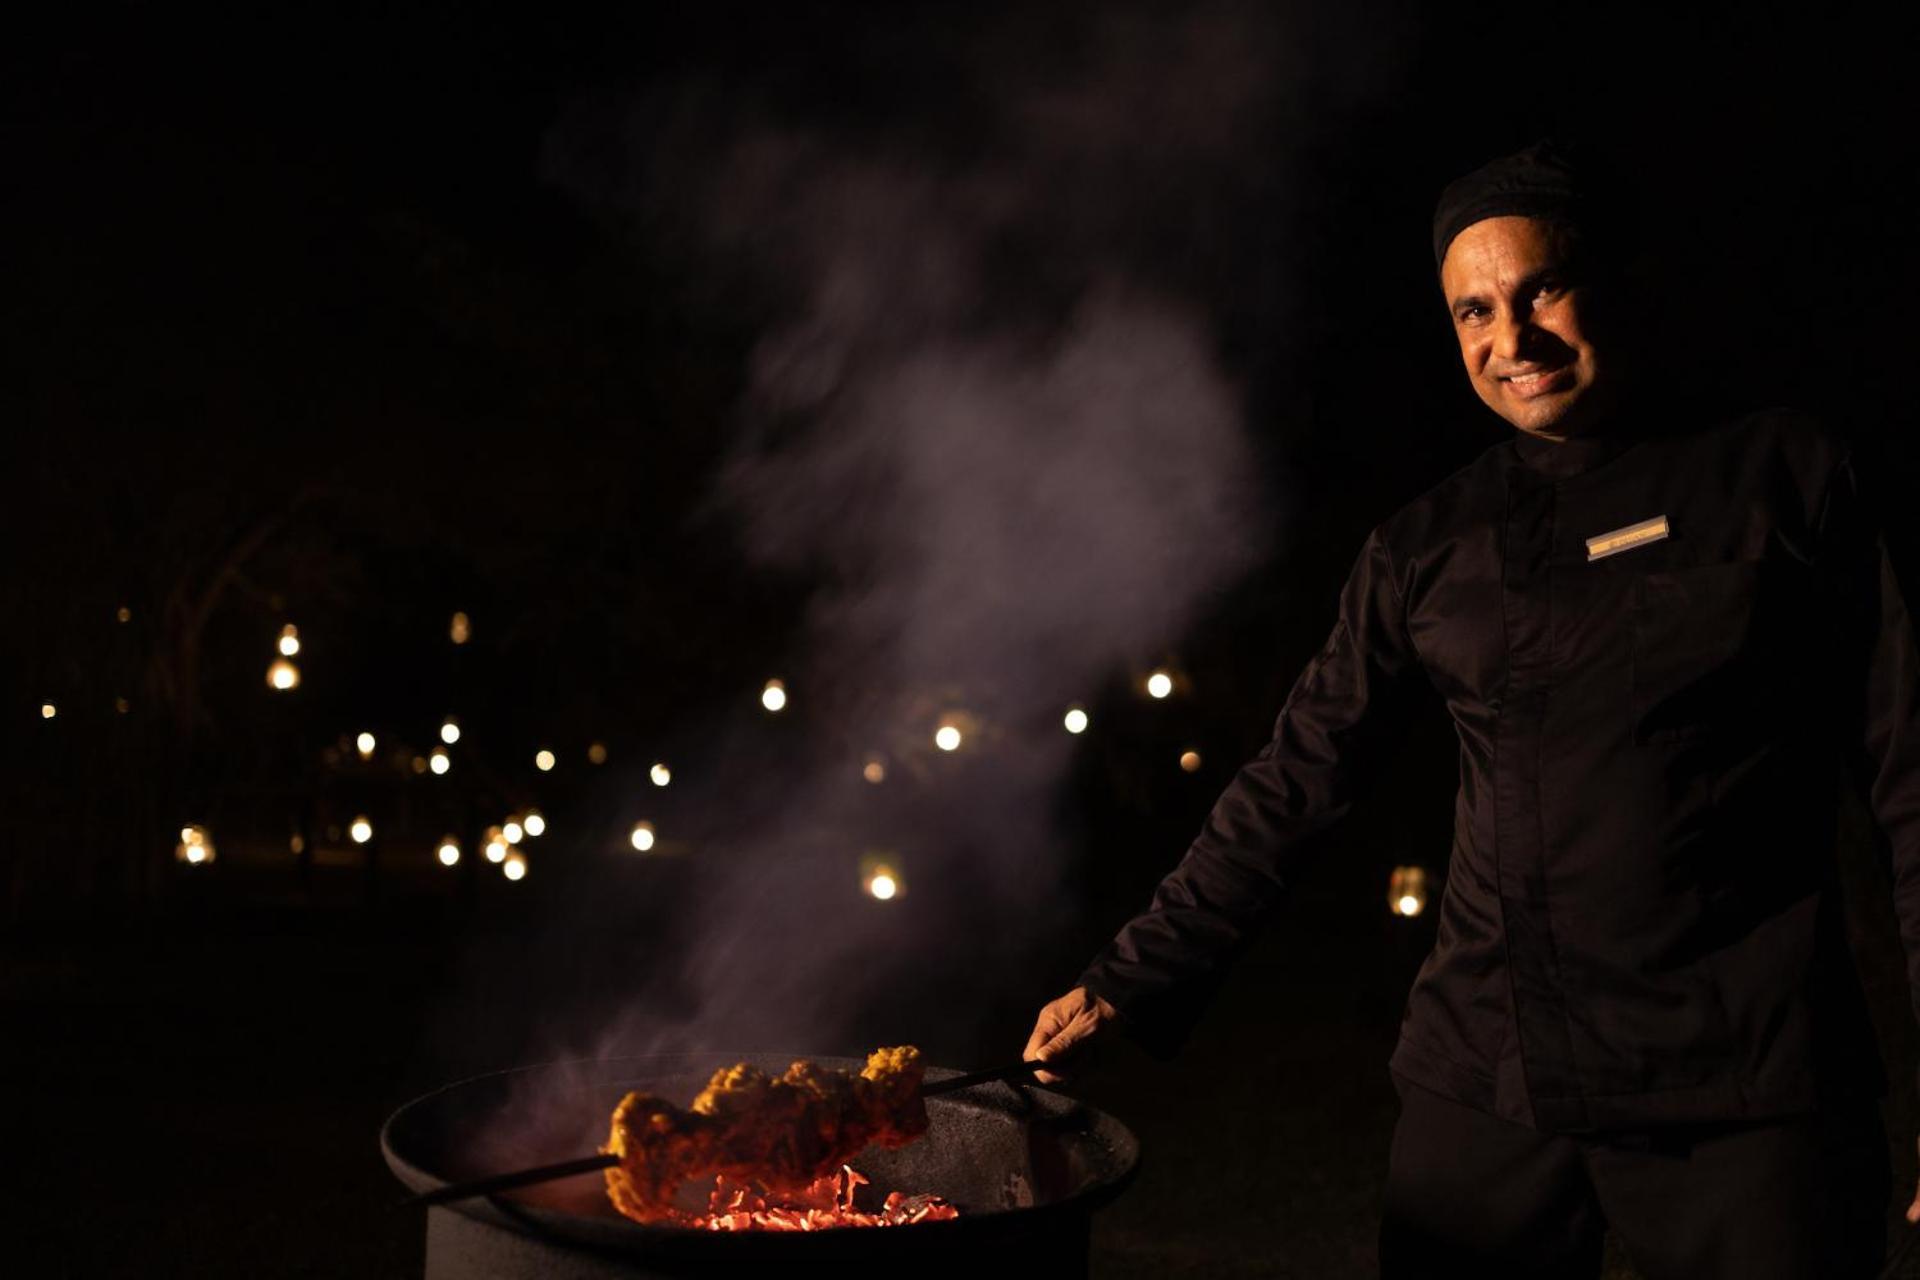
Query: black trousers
1798, 1198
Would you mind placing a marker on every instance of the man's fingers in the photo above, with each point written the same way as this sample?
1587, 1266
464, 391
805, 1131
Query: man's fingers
1913, 1210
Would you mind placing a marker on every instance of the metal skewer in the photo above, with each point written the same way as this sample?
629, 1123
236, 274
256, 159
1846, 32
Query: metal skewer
590, 1164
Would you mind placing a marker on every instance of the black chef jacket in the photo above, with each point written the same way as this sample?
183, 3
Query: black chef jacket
1641, 922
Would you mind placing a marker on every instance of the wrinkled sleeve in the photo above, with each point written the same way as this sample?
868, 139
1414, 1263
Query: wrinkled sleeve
1881, 691
1161, 969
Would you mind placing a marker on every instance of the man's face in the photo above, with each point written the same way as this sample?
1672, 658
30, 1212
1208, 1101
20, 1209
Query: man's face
1525, 323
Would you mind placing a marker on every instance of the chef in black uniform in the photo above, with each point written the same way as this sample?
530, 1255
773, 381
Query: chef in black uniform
1658, 636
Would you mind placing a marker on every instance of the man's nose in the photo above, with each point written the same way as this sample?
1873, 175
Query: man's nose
1509, 336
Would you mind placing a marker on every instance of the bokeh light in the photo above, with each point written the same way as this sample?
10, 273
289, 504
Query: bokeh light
289, 640
660, 774
361, 830
440, 761
1159, 685
449, 731
448, 852
1190, 761
195, 847
515, 867
544, 760
642, 837
874, 771
365, 744
774, 696
48, 711
535, 823
1407, 891
283, 675
597, 753
947, 737
512, 832
460, 629
496, 845
1075, 719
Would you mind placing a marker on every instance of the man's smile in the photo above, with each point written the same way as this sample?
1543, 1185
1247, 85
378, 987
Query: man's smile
1539, 382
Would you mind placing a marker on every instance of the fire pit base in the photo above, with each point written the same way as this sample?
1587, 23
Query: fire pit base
463, 1248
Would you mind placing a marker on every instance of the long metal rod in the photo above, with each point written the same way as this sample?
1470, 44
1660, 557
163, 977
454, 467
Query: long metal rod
508, 1181
590, 1164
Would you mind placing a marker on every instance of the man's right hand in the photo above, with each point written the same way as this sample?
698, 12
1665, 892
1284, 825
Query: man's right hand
1064, 1031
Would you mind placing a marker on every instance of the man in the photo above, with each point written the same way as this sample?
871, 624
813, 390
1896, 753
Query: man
1652, 635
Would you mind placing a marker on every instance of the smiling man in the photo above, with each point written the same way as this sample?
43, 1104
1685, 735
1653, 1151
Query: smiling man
1657, 636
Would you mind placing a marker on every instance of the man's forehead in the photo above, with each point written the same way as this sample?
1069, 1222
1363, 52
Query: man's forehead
1502, 250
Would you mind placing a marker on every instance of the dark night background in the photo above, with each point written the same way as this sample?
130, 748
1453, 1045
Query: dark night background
934, 359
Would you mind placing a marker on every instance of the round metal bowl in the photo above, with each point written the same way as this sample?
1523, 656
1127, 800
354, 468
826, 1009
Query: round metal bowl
1025, 1166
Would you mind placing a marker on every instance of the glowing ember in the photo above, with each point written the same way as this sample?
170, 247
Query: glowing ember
827, 1202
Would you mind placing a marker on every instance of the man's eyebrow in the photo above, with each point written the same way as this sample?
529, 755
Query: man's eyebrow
1466, 300
1531, 281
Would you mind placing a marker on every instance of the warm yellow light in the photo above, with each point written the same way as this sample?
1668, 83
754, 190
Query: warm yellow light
597, 753
283, 674
1190, 761
48, 711
774, 696
882, 886
1159, 685
535, 823
874, 772
289, 640
496, 847
512, 832
361, 830
660, 774
947, 738
642, 837
419, 764
448, 852
459, 629
195, 847
120, 705
297, 843
1407, 891
1075, 720
365, 744
449, 731
440, 761
123, 614
543, 760
515, 867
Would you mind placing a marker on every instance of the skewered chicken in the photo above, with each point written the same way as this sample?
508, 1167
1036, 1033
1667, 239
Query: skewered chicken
784, 1133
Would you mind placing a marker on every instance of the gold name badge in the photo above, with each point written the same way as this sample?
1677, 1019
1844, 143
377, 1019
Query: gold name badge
1602, 545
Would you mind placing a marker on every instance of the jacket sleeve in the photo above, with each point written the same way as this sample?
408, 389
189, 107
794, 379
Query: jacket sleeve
1161, 969
1880, 668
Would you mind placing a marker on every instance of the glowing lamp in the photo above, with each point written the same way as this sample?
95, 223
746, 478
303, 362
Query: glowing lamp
1407, 891
195, 847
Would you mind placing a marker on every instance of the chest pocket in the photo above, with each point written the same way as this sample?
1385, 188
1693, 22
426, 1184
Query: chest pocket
1714, 649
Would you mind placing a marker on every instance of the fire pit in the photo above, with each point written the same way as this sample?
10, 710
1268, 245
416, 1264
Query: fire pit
1025, 1167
